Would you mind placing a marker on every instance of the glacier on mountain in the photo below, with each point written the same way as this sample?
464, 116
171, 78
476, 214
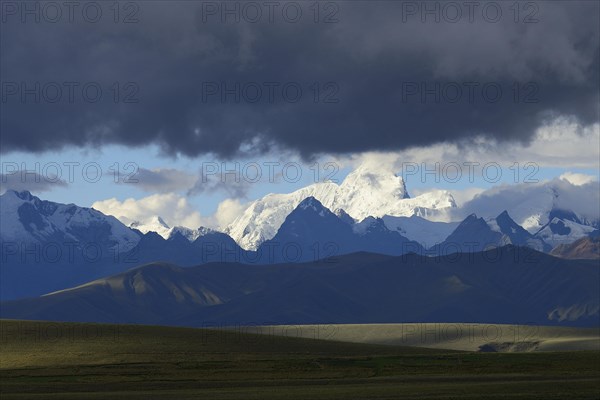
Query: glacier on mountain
27, 219
363, 193
532, 205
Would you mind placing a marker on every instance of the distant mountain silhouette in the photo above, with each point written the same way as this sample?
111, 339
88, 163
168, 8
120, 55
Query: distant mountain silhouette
507, 285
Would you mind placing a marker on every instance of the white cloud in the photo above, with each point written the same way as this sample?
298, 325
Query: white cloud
174, 209
227, 211
464, 195
561, 143
578, 179
461, 196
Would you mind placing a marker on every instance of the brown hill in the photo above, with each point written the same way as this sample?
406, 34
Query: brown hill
584, 248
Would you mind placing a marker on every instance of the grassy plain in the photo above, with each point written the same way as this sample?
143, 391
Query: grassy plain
99, 361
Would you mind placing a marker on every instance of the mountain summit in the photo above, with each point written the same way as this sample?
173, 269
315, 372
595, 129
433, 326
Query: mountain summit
364, 192
311, 232
26, 219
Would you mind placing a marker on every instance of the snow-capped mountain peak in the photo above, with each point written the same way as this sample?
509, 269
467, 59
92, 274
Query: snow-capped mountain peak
563, 231
369, 225
191, 234
158, 225
26, 218
312, 204
152, 224
160, 221
364, 192
379, 180
24, 195
343, 215
534, 205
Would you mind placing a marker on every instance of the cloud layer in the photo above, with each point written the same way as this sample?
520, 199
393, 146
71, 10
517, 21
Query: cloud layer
160, 180
174, 209
366, 78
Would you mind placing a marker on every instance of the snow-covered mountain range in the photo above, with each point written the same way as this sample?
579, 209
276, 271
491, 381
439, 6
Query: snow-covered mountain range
158, 225
430, 217
541, 215
563, 231
27, 219
534, 205
31, 230
364, 192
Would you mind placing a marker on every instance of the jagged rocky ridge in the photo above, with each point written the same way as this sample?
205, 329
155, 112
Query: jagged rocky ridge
53, 246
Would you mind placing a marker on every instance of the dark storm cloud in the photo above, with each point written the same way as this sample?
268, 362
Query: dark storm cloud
369, 69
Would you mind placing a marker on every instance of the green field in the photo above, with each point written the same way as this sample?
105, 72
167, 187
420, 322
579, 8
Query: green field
70, 360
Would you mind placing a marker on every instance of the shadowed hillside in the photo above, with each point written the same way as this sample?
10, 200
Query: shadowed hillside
511, 285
